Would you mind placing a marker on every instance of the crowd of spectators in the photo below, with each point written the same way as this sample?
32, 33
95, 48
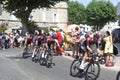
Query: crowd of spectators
64, 40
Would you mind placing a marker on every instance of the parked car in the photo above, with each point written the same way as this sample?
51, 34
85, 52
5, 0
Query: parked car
116, 40
116, 35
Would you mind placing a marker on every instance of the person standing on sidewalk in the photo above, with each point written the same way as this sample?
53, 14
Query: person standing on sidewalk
75, 39
108, 46
59, 41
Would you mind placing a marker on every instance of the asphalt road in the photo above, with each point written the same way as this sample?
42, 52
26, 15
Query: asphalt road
25, 69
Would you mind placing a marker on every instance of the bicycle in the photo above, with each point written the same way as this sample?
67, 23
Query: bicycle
118, 76
45, 58
91, 71
102, 60
36, 55
26, 51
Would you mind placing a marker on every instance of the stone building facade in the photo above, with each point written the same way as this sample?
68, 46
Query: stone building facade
56, 16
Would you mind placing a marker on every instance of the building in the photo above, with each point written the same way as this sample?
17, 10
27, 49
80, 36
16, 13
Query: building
112, 25
85, 28
53, 17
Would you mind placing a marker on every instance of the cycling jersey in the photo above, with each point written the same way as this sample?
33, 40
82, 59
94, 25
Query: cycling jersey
93, 44
29, 40
39, 39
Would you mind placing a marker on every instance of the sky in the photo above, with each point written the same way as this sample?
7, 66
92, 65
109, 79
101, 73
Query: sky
85, 2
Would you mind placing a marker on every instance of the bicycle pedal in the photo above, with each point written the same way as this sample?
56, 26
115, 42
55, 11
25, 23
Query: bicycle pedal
80, 70
81, 75
32, 58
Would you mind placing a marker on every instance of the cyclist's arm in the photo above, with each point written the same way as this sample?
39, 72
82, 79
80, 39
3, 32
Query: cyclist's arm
25, 42
88, 46
46, 45
36, 42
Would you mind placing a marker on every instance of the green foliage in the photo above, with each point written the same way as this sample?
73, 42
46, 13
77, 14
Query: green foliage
99, 12
32, 26
76, 12
3, 28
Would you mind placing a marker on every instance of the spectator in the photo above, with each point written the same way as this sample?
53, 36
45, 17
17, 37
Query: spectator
108, 46
58, 41
75, 39
59, 37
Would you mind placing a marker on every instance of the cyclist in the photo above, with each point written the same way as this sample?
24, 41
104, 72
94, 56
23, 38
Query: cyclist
41, 42
28, 40
91, 45
50, 42
35, 39
38, 43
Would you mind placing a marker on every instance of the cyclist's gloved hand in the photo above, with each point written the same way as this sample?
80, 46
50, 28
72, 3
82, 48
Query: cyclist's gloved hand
92, 52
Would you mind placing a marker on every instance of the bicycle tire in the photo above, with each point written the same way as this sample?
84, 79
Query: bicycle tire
74, 71
114, 58
24, 52
92, 66
36, 56
49, 59
1, 47
118, 76
41, 60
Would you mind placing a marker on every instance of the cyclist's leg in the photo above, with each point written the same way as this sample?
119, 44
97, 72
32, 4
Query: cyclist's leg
46, 48
84, 63
34, 52
26, 47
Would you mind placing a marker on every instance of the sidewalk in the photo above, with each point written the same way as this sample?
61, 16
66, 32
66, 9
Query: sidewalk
116, 66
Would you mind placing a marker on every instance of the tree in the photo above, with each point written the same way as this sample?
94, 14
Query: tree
31, 25
22, 8
100, 12
3, 27
76, 12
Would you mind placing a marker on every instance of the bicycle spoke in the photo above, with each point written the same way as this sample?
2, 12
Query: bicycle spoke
74, 68
92, 71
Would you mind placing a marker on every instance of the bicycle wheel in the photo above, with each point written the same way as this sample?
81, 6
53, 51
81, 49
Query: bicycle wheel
41, 58
36, 56
24, 52
92, 71
49, 59
113, 58
0, 47
118, 76
74, 71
